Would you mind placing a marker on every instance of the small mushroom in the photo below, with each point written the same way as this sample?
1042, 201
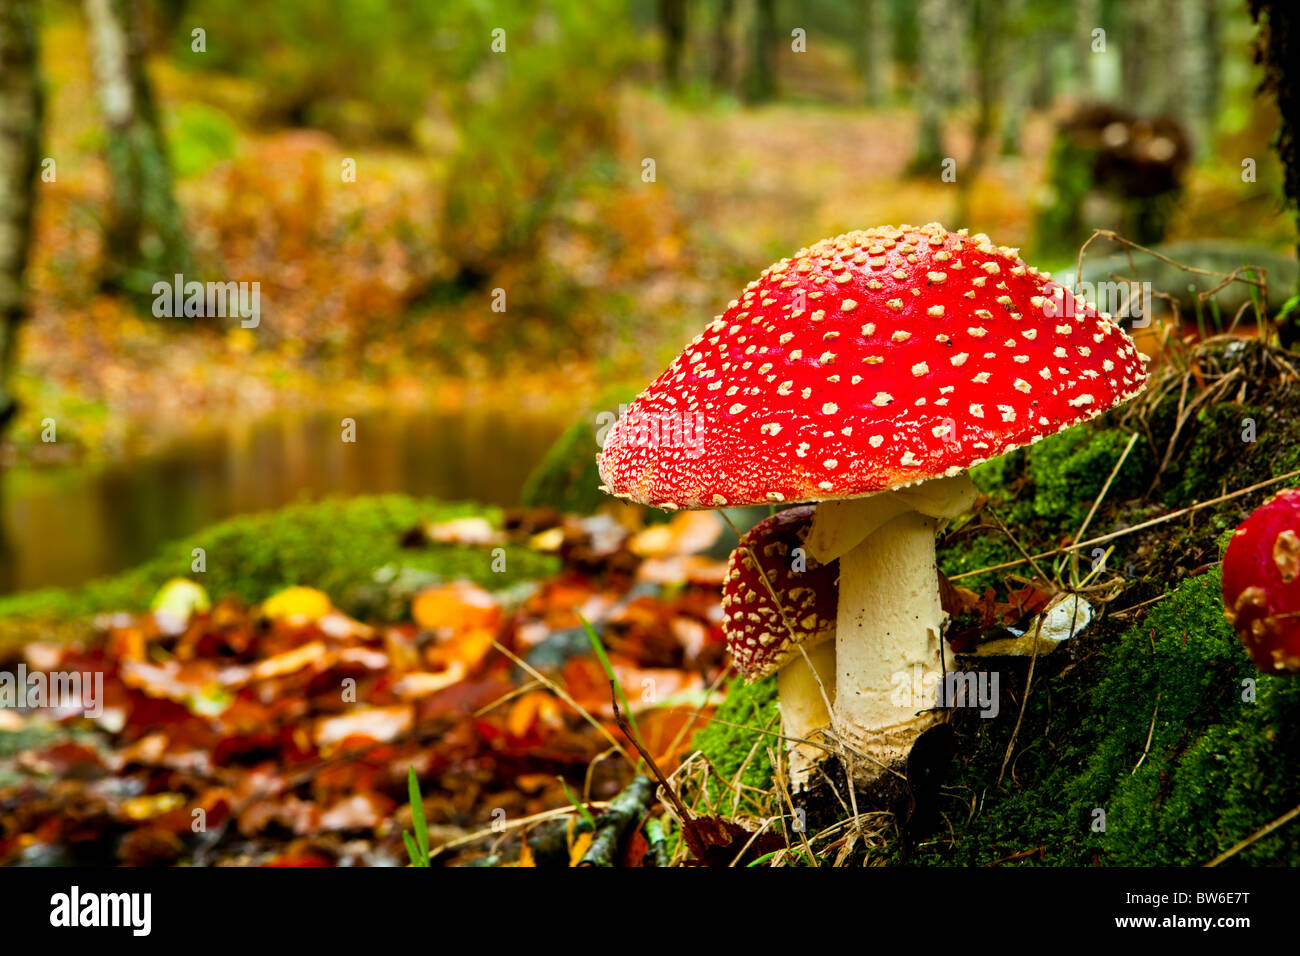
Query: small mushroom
774, 608
869, 372
1261, 590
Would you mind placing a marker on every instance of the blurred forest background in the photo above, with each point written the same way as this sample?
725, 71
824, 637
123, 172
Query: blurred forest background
471, 222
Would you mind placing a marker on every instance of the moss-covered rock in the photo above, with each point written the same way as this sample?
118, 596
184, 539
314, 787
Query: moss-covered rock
1220, 763
566, 478
352, 550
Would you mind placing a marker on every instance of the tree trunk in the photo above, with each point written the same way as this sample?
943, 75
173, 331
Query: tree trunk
1198, 54
721, 69
988, 32
1016, 77
21, 109
874, 33
939, 59
1136, 67
672, 20
145, 238
762, 67
1277, 49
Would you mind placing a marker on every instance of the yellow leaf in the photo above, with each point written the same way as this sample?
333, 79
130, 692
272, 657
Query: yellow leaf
297, 605
580, 848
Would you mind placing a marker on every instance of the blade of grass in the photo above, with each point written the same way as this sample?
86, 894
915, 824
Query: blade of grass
413, 851
586, 814
599, 649
418, 823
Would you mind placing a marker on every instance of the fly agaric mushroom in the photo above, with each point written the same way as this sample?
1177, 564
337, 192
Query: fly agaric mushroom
869, 372
773, 608
1261, 594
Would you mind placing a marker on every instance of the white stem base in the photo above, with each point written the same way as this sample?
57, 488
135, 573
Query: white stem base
888, 640
804, 711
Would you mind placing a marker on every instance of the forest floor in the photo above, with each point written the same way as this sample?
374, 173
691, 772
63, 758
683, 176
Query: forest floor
357, 659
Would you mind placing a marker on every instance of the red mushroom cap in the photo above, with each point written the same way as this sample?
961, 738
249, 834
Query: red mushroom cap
1261, 583
759, 639
867, 362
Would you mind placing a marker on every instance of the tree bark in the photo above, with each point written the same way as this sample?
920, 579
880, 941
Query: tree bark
145, 238
874, 33
21, 113
762, 67
939, 60
721, 69
1277, 49
672, 20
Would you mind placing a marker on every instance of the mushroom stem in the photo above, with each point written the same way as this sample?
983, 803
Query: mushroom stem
889, 619
887, 636
805, 687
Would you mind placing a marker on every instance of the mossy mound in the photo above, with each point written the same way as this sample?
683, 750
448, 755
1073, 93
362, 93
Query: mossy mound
730, 743
352, 550
1223, 756
566, 478
1220, 764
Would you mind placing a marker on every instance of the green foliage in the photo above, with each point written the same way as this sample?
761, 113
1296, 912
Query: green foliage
1058, 480
198, 137
533, 120
336, 546
972, 552
417, 847
345, 65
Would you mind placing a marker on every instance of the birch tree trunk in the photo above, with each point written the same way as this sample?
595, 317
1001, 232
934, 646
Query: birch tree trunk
21, 109
145, 238
874, 35
940, 61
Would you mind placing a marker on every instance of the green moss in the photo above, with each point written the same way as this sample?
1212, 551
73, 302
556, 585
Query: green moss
1214, 437
1069, 469
971, 552
730, 737
336, 546
1217, 768
566, 478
